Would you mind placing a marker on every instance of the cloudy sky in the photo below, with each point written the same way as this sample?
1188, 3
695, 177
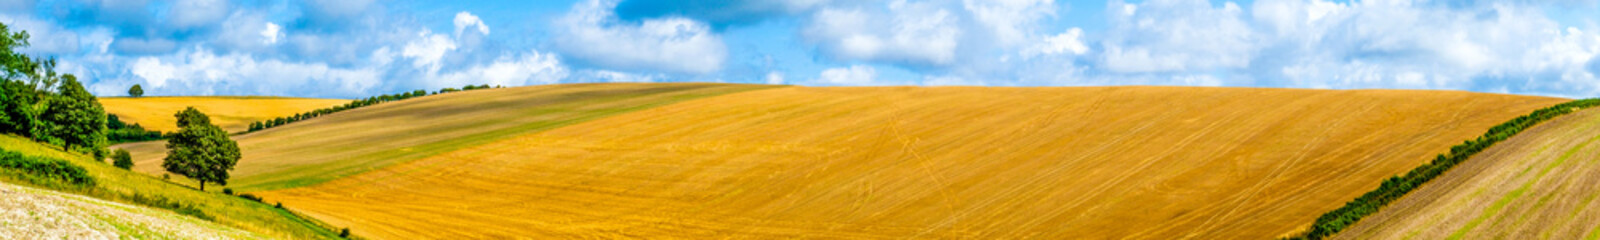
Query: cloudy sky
357, 48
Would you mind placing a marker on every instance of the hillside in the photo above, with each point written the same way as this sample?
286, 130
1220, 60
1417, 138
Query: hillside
31, 213
1540, 184
354, 141
233, 212
895, 162
233, 114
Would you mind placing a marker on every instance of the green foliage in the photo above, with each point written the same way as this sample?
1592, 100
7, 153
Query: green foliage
122, 159
131, 133
192, 117
199, 150
169, 204
136, 91
1396, 187
121, 132
374, 100
251, 197
228, 191
45, 171
344, 233
75, 116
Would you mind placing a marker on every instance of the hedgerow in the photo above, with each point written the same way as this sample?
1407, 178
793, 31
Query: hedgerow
1397, 186
280, 121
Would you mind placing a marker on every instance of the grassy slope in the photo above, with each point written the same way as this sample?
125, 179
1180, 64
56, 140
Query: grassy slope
31, 213
354, 141
1540, 184
229, 211
895, 162
233, 114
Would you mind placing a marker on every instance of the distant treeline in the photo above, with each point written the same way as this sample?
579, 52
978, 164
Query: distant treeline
1397, 186
118, 132
280, 121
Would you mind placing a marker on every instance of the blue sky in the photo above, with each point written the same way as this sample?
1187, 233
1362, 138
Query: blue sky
356, 48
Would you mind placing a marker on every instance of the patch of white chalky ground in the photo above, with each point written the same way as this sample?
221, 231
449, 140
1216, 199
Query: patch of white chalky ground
31, 213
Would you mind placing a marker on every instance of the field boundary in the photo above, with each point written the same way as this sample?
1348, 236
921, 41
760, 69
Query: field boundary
1398, 186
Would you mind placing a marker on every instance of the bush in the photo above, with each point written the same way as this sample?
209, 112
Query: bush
228, 191
251, 197
42, 170
344, 233
122, 159
164, 202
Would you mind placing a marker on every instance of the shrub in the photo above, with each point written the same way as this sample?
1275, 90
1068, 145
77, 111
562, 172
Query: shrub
163, 202
42, 170
228, 191
122, 159
251, 197
344, 233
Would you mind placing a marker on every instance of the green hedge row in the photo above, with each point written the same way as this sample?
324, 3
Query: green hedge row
280, 121
120, 132
1395, 187
46, 169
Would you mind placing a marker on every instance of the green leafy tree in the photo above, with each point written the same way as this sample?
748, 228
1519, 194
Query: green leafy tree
75, 117
200, 150
136, 91
122, 159
17, 98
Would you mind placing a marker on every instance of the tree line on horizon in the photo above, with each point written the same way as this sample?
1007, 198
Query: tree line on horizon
369, 101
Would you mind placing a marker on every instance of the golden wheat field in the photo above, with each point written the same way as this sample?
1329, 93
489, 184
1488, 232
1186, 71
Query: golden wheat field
362, 139
899, 162
233, 114
1540, 184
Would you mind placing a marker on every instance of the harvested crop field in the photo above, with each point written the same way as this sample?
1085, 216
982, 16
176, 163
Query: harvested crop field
897, 162
362, 139
1540, 184
233, 114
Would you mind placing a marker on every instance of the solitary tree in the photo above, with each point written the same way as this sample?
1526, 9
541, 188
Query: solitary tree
122, 159
136, 91
199, 150
75, 117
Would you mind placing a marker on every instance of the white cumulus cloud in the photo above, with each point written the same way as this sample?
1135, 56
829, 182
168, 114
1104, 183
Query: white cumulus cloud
855, 75
592, 33
918, 33
466, 20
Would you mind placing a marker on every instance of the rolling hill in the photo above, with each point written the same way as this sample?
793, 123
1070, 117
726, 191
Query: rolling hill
1540, 184
89, 216
233, 114
362, 139
876, 162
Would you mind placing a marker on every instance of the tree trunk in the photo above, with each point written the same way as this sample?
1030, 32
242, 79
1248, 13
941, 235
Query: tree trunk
202, 186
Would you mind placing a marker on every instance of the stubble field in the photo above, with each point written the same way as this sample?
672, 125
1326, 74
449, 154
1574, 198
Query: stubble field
1540, 184
895, 162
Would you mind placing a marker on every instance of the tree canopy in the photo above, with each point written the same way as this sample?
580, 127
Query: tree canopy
136, 91
75, 117
200, 150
